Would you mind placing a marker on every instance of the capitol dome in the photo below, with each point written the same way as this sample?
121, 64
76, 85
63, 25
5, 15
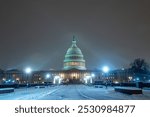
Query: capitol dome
74, 58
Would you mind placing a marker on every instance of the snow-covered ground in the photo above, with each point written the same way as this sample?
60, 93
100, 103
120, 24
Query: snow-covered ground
28, 93
110, 93
72, 92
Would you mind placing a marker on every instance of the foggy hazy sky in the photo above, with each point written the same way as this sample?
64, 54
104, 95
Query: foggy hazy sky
37, 33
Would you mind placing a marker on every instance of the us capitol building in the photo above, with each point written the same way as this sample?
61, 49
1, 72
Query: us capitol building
74, 68
74, 71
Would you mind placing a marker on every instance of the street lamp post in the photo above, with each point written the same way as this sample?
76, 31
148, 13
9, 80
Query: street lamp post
4, 80
39, 79
47, 77
28, 70
17, 79
105, 69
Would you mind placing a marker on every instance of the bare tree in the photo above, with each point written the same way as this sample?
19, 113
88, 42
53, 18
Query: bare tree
139, 66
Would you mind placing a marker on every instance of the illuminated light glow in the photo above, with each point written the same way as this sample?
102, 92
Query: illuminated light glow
62, 75
91, 81
57, 78
105, 69
4, 79
137, 78
122, 69
54, 82
88, 78
28, 70
130, 78
59, 81
47, 75
116, 82
17, 79
85, 81
93, 75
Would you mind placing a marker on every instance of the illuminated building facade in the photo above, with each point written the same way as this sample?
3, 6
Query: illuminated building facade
74, 71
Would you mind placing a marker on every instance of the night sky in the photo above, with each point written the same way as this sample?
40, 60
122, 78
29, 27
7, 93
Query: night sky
37, 33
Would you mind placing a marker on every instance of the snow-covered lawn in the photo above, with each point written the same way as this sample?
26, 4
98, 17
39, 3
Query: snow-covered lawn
28, 93
75, 92
110, 93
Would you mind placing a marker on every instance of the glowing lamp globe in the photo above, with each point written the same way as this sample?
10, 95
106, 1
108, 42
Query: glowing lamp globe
28, 70
93, 75
47, 75
105, 69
